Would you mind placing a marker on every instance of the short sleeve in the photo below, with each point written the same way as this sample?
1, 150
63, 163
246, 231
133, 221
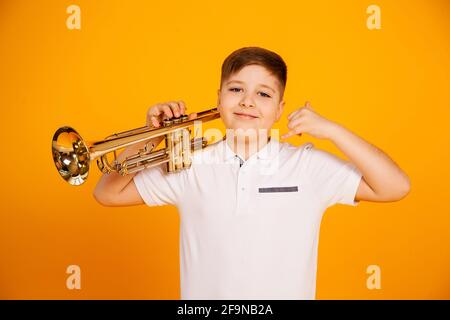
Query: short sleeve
158, 187
334, 180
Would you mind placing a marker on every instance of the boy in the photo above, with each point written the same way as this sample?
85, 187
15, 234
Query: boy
250, 216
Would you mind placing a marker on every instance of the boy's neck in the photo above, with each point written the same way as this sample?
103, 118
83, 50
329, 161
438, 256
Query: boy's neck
245, 147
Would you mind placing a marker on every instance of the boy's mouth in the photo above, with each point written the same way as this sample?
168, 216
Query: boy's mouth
246, 116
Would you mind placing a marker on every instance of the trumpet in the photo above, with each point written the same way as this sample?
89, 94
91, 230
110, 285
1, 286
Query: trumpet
72, 155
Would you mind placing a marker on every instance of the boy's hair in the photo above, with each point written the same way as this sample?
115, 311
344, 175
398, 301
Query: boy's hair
255, 55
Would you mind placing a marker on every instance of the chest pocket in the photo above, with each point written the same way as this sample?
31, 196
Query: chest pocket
278, 199
278, 189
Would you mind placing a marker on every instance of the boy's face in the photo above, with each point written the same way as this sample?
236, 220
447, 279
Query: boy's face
250, 99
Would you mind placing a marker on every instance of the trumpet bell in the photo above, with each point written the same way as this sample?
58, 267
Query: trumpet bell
70, 155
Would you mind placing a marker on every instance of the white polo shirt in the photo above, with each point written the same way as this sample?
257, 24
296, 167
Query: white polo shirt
251, 231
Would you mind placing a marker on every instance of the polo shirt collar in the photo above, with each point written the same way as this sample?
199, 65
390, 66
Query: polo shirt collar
268, 152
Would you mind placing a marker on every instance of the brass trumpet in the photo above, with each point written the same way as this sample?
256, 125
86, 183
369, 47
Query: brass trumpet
72, 155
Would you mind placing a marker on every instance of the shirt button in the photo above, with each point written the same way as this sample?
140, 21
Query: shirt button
242, 188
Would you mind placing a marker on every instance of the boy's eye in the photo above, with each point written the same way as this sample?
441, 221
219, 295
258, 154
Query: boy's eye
238, 89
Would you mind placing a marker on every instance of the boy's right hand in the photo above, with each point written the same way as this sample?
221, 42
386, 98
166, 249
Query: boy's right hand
167, 110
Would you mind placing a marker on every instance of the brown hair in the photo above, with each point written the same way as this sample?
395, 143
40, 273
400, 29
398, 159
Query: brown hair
255, 55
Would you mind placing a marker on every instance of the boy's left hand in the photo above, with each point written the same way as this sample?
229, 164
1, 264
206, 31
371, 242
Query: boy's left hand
306, 120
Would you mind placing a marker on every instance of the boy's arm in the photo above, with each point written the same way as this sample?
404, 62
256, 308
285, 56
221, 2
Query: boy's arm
382, 179
115, 190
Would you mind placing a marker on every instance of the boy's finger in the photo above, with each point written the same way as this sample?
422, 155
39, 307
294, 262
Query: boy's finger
296, 120
167, 111
154, 110
287, 135
175, 108
293, 114
294, 123
182, 107
308, 105
155, 122
296, 131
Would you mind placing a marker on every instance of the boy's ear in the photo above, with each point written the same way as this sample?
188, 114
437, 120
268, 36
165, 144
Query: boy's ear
280, 109
218, 98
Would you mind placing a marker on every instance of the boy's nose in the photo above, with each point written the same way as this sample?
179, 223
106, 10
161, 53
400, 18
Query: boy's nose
246, 102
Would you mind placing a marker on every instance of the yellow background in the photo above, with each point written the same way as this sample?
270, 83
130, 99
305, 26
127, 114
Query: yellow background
391, 86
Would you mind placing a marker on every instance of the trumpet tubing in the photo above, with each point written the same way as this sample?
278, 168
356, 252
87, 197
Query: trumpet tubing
72, 155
